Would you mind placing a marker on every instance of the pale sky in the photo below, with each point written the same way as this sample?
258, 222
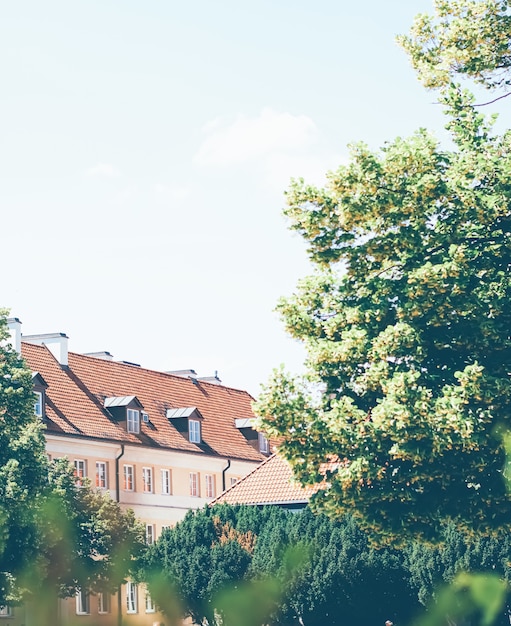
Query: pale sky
145, 146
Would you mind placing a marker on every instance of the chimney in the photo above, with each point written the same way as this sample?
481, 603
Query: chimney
55, 342
104, 354
14, 326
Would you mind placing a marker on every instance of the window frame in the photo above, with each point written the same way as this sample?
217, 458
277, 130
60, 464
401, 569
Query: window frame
39, 404
147, 480
150, 533
6, 611
104, 464
150, 606
131, 598
194, 485
194, 431
104, 603
210, 485
80, 466
82, 602
166, 483
133, 421
128, 485
264, 444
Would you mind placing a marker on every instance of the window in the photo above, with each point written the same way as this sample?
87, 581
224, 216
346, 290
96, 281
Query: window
80, 471
104, 603
129, 482
133, 421
264, 445
5, 611
147, 479
149, 534
166, 487
194, 431
194, 484
131, 597
234, 480
210, 486
101, 474
38, 406
149, 604
82, 602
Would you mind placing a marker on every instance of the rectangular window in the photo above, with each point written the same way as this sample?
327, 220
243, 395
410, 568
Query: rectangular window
104, 603
101, 475
149, 534
234, 480
80, 471
133, 421
194, 431
38, 406
5, 611
149, 603
194, 484
147, 479
264, 445
166, 487
129, 482
210, 486
131, 597
82, 602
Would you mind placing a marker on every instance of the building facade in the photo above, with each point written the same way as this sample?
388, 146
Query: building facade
159, 443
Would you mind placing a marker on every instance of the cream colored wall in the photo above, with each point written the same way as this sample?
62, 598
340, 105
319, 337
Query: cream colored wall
150, 508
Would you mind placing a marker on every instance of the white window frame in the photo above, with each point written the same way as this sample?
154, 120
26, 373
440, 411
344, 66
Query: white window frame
234, 480
129, 473
82, 602
38, 406
149, 534
80, 471
131, 597
264, 444
194, 485
194, 434
210, 485
166, 482
150, 607
6, 610
104, 603
102, 474
147, 479
133, 421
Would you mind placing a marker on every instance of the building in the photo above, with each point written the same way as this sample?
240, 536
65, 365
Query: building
160, 443
270, 483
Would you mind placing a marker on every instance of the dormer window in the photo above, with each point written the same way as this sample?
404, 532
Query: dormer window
187, 420
127, 409
133, 421
194, 431
38, 404
40, 386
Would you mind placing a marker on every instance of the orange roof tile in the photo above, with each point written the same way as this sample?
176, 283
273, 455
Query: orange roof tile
271, 482
76, 395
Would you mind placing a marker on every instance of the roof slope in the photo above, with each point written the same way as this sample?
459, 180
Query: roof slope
271, 482
76, 396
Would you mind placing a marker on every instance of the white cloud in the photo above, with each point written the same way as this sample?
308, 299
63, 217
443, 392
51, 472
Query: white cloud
280, 168
171, 193
102, 170
255, 138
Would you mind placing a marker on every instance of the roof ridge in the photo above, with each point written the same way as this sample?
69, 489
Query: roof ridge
160, 372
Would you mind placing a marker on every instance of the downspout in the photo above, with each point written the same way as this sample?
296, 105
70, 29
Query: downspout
117, 499
223, 473
117, 489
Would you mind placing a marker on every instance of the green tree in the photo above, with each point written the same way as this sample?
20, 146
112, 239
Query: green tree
400, 418
23, 466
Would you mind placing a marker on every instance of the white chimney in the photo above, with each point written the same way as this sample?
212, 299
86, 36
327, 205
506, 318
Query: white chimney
15, 331
55, 342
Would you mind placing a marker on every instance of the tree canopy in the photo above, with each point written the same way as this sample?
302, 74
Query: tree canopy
402, 415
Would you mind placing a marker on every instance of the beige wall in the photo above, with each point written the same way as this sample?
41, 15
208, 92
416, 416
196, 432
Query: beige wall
153, 508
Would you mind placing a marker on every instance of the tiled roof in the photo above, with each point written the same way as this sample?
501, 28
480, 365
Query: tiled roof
76, 404
271, 482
